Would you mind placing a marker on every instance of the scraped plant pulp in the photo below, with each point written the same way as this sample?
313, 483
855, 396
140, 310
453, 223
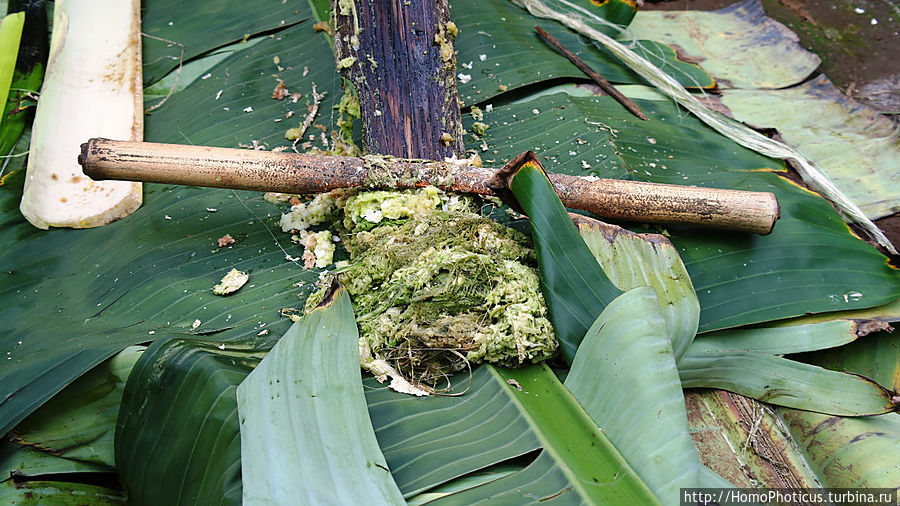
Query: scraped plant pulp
435, 284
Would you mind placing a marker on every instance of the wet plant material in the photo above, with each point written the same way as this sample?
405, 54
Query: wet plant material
436, 285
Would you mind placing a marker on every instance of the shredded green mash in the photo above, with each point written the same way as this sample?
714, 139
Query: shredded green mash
435, 284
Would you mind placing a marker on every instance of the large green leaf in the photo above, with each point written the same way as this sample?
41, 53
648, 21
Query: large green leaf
68, 307
431, 440
809, 263
306, 397
156, 268
489, 418
578, 465
79, 423
197, 27
624, 375
178, 423
515, 57
232, 103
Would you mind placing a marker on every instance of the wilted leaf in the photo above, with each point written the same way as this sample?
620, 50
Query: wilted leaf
632, 260
737, 44
743, 440
855, 145
849, 452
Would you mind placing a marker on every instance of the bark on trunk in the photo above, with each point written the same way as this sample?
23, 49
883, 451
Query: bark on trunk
399, 56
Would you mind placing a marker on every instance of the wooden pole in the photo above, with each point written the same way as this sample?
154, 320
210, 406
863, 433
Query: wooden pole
300, 173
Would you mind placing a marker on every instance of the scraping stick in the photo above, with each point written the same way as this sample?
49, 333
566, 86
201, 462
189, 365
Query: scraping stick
245, 169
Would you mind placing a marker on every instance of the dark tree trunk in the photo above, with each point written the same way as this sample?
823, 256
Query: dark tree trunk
399, 56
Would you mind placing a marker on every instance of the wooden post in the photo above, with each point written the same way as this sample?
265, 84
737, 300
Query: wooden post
399, 56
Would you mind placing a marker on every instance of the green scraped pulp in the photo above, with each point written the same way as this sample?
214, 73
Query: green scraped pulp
435, 288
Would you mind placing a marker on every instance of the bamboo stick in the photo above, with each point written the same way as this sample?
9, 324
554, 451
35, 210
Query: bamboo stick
301, 173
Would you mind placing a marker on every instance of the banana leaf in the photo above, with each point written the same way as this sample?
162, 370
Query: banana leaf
497, 417
624, 372
149, 261
857, 147
175, 32
624, 375
714, 359
514, 56
306, 397
876, 357
739, 60
871, 350
575, 287
782, 340
165, 259
231, 103
468, 481
156, 283
578, 465
431, 441
178, 423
